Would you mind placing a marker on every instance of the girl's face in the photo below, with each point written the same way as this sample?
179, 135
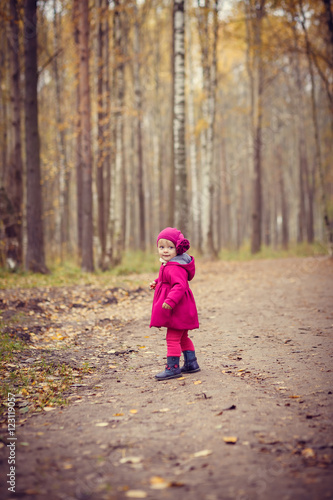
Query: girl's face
166, 250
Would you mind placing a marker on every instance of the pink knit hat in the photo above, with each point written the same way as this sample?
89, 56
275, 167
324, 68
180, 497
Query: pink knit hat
173, 234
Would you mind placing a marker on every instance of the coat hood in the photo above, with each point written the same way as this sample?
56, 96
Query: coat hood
186, 262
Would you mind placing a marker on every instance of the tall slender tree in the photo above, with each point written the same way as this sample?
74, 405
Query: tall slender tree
255, 11
35, 258
15, 184
208, 33
78, 133
64, 173
101, 122
179, 151
138, 105
87, 263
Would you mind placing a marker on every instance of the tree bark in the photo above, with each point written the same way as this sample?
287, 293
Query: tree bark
138, 105
118, 188
318, 159
15, 185
209, 67
64, 175
255, 11
179, 151
87, 263
35, 258
78, 132
101, 119
195, 205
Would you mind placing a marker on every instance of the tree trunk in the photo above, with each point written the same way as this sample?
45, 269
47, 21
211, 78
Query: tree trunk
195, 206
15, 185
138, 105
209, 67
101, 119
318, 160
159, 201
305, 215
117, 195
64, 177
284, 207
255, 10
179, 152
87, 263
107, 129
78, 146
35, 258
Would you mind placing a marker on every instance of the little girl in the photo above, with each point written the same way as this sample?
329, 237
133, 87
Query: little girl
173, 304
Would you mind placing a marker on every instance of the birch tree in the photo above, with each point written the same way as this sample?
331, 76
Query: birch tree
179, 151
118, 195
208, 34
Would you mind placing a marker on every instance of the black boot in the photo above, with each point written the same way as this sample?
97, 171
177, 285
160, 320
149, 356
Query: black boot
190, 362
172, 369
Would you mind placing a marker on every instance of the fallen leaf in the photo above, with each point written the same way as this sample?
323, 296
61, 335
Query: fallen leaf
133, 411
136, 494
202, 453
197, 382
158, 483
118, 414
294, 397
67, 466
308, 453
130, 460
101, 424
230, 439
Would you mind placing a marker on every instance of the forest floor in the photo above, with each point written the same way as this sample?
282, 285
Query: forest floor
254, 423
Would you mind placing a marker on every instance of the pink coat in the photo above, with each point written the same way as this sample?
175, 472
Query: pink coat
173, 288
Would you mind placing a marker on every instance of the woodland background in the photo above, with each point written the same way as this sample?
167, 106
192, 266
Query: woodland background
118, 118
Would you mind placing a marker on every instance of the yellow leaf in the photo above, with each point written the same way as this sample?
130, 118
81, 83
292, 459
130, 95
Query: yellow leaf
101, 424
230, 439
130, 460
158, 483
67, 466
308, 453
202, 453
294, 397
118, 414
197, 382
136, 494
133, 411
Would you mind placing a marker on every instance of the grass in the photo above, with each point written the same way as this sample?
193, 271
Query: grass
35, 385
267, 252
136, 263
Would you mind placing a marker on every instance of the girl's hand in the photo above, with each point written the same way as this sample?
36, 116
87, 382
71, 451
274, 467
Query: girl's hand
152, 285
166, 306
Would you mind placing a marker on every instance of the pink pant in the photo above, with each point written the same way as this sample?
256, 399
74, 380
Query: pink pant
178, 341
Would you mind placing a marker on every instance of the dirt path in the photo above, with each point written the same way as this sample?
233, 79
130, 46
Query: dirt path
265, 349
